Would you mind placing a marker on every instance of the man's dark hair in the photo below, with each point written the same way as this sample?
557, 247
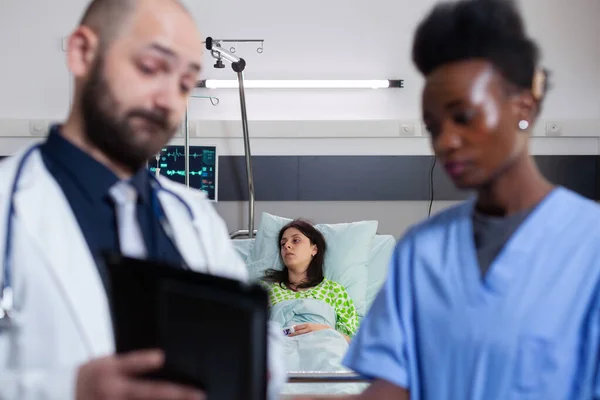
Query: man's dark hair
478, 29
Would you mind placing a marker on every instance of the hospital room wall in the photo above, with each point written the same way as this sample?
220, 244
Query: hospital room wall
372, 40
357, 39
312, 39
394, 190
394, 217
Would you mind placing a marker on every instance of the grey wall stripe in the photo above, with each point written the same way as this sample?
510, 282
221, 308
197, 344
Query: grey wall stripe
366, 178
383, 178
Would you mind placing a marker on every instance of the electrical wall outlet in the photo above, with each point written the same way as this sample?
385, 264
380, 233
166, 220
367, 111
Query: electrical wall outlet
407, 129
553, 128
39, 127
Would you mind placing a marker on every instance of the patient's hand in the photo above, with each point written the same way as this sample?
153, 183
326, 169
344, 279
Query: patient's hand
302, 329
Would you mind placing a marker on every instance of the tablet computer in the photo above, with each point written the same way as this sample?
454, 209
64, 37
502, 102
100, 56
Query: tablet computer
212, 330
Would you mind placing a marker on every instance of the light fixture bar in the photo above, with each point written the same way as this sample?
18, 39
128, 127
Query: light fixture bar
303, 84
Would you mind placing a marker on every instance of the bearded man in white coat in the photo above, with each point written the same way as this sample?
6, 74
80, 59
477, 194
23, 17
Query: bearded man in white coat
135, 63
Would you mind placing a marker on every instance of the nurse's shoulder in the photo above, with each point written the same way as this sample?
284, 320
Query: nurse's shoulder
578, 206
426, 243
575, 223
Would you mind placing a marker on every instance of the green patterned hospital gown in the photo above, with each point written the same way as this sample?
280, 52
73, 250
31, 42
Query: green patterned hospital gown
331, 293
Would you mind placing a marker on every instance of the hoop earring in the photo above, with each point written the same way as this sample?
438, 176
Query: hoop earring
523, 125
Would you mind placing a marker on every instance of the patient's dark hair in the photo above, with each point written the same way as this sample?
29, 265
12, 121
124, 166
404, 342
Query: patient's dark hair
315, 268
478, 29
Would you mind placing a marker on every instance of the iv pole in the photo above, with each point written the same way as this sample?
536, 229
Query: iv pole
238, 65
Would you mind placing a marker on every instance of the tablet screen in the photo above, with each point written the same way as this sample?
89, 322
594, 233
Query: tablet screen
220, 322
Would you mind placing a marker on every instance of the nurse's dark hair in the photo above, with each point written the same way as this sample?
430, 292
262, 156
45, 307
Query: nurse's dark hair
315, 268
107, 18
481, 29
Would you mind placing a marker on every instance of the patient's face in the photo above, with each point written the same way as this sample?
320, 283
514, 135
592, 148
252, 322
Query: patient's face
296, 250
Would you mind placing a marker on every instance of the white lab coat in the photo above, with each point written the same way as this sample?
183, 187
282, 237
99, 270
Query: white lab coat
62, 316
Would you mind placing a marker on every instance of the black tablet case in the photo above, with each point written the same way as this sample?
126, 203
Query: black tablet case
213, 330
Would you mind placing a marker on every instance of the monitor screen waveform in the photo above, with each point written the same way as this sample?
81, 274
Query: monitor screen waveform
203, 168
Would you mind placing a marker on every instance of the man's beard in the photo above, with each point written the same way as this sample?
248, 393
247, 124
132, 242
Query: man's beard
112, 132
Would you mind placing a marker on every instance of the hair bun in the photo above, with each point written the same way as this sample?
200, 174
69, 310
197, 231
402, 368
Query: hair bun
492, 30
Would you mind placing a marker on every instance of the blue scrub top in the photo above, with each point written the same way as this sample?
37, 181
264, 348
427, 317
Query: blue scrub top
530, 329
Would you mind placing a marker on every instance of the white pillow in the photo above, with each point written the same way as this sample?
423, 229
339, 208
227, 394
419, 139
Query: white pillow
346, 259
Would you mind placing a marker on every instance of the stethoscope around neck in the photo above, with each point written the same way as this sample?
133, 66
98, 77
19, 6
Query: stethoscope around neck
6, 289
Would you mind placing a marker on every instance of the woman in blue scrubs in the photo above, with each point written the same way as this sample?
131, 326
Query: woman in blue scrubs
498, 297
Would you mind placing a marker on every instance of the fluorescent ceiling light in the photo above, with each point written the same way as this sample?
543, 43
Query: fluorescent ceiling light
302, 84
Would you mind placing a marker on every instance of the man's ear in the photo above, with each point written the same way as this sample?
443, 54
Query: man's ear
82, 51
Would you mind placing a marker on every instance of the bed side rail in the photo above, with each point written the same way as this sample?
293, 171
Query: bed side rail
324, 377
242, 234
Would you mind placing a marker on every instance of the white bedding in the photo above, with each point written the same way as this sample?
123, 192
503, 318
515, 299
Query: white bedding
320, 351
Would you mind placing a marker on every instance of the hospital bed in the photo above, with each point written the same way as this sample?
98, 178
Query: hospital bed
305, 382
381, 246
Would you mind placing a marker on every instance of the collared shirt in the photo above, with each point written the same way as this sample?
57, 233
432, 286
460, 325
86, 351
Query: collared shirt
86, 183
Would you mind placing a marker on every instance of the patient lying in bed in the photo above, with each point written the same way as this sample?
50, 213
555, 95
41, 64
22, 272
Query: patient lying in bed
302, 299
318, 316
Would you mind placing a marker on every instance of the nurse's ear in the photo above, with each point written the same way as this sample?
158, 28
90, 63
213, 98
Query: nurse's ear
82, 50
527, 104
525, 110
